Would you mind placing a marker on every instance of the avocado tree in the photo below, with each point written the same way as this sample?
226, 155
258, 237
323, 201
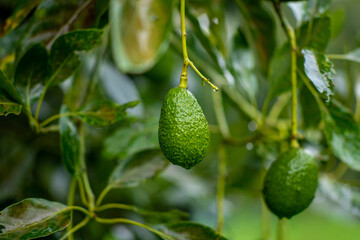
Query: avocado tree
148, 119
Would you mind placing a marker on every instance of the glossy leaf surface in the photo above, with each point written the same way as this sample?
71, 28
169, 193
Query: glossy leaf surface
342, 134
105, 113
70, 143
320, 71
33, 218
63, 54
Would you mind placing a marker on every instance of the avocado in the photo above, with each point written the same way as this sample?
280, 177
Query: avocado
290, 183
184, 135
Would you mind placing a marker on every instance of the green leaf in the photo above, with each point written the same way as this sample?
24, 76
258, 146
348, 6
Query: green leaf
191, 231
345, 195
52, 17
64, 57
33, 218
262, 29
22, 10
8, 87
342, 134
311, 114
105, 113
129, 140
140, 33
142, 166
70, 143
279, 71
320, 71
315, 35
33, 66
7, 106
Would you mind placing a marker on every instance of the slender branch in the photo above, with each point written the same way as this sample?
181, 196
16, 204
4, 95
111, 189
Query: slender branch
77, 227
278, 106
57, 116
128, 221
281, 229
77, 208
187, 62
103, 194
70, 202
294, 142
52, 128
338, 57
220, 195
84, 176
220, 115
183, 29
292, 38
48, 84
41, 99
115, 205
202, 76
265, 221
82, 193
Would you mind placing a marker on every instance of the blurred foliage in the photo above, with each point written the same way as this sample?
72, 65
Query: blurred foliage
83, 82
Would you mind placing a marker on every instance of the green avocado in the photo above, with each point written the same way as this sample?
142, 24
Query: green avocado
184, 134
290, 183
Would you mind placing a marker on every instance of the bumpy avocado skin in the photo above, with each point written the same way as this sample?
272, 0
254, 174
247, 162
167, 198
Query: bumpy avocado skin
290, 183
184, 134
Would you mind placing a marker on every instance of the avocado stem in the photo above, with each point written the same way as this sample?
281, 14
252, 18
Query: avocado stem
292, 38
187, 62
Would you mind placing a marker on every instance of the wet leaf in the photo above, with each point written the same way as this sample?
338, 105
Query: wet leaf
70, 143
105, 113
33, 66
191, 231
64, 57
320, 71
342, 134
140, 32
7, 107
22, 10
33, 218
142, 166
317, 37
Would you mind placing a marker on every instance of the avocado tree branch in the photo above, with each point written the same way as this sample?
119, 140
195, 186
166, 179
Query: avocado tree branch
292, 38
187, 62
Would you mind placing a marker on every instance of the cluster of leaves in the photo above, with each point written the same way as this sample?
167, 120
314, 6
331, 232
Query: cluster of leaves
65, 48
